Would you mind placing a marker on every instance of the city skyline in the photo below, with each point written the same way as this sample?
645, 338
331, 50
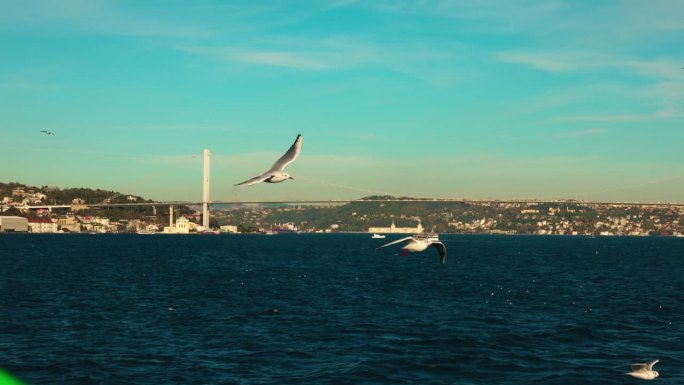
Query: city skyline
439, 99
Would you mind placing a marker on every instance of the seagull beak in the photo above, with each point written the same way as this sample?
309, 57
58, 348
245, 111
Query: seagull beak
291, 178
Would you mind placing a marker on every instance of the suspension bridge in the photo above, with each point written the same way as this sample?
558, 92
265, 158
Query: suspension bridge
206, 202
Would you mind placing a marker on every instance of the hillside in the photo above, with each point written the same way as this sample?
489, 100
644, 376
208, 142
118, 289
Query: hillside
14, 194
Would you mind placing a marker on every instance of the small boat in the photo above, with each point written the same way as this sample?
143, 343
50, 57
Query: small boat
378, 236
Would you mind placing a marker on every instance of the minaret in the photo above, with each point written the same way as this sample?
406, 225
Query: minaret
205, 193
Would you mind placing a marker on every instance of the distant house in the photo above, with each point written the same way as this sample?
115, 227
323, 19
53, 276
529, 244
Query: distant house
42, 225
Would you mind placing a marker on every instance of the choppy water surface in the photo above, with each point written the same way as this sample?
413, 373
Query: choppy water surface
329, 309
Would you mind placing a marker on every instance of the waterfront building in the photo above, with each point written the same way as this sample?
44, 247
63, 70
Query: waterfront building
229, 229
9, 224
393, 229
42, 225
69, 223
182, 226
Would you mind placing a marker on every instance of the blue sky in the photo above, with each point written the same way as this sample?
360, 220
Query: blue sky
467, 99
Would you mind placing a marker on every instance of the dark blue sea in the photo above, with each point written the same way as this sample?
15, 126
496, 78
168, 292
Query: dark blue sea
330, 309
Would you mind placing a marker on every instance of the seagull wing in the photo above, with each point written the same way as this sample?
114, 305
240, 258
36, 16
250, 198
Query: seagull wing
255, 180
289, 156
441, 249
649, 365
643, 367
395, 242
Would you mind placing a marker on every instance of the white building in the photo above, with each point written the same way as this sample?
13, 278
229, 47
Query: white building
182, 226
13, 224
229, 229
42, 225
69, 223
393, 229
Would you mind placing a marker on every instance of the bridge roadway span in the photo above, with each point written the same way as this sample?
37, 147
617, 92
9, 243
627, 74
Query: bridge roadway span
340, 201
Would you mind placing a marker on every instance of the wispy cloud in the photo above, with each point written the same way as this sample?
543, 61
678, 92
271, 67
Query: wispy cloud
301, 60
583, 132
657, 68
567, 61
578, 61
295, 53
662, 114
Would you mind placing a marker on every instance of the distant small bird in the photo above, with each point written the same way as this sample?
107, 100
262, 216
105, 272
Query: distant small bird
276, 174
644, 371
47, 132
421, 242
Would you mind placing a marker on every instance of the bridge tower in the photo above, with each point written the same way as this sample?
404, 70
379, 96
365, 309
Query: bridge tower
205, 192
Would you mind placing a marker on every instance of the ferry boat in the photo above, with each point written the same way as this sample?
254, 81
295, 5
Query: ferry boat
378, 236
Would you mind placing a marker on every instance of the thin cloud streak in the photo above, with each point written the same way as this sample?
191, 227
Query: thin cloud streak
437, 66
558, 62
581, 133
299, 60
659, 115
578, 61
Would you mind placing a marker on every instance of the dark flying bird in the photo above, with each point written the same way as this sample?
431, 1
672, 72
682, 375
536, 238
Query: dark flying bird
276, 174
420, 242
47, 132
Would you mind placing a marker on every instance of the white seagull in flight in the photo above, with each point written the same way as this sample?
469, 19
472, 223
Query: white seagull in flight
644, 371
276, 174
420, 242
47, 132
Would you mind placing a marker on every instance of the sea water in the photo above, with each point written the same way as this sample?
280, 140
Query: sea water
331, 309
